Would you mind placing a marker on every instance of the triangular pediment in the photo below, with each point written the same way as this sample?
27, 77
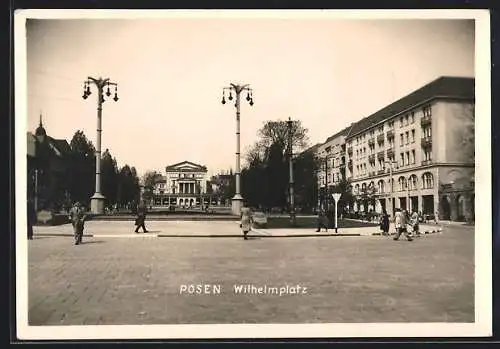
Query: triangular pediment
186, 166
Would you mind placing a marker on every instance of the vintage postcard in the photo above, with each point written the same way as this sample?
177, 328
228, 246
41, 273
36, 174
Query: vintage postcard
252, 174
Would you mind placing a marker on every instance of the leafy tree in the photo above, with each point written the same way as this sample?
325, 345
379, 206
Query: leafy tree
82, 168
128, 186
150, 179
276, 176
305, 183
109, 178
265, 178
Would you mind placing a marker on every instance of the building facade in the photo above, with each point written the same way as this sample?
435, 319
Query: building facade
417, 153
332, 161
183, 185
332, 157
47, 167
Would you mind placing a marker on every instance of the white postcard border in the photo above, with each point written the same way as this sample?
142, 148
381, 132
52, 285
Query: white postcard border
483, 239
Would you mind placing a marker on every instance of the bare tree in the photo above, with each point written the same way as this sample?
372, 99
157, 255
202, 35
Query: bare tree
276, 132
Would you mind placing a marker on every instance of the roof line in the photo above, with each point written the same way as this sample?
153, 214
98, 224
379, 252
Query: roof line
424, 101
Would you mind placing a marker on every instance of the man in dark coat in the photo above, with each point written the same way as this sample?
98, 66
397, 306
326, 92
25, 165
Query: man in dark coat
322, 221
141, 217
77, 217
31, 218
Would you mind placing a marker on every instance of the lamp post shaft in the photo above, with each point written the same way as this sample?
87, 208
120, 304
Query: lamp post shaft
290, 164
98, 142
238, 169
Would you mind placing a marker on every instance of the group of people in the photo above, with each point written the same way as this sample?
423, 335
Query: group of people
403, 222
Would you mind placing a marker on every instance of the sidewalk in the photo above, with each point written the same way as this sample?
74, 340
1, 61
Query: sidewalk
212, 229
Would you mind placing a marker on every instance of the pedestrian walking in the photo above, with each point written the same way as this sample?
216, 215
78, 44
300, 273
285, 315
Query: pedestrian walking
436, 217
246, 221
140, 221
322, 221
77, 217
415, 223
401, 222
31, 218
384, 223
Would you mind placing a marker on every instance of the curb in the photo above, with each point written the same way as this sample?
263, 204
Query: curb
252, 236
197, 235
421, 233
63, 235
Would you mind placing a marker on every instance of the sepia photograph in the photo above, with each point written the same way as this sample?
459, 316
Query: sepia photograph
252, 174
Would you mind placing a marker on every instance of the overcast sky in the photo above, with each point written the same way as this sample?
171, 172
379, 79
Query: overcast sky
327, 73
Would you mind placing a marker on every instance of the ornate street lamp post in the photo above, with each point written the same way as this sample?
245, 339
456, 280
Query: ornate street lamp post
237, 201
97, 200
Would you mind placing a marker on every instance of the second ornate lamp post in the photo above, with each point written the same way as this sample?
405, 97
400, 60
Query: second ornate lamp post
97, 200
290, 163
237, 201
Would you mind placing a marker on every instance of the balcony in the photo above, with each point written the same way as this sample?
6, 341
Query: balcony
425, 121
380, 155
371, 158
349, 150
390, 134
371, 142
426, 162
390, 153
380, 139
381, 172
426, 142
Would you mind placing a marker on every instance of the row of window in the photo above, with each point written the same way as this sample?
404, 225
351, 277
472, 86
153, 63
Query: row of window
405, 138
405, 159
404, 184
405, 120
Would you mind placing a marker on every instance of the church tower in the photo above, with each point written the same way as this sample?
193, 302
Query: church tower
40, 132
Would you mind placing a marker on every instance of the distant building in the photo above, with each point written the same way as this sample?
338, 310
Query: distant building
333, 159
47, 165
220, 181
184, 185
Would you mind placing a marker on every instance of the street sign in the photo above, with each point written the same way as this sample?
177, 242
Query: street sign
336, 197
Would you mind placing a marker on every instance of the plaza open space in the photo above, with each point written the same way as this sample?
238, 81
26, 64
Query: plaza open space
117, 277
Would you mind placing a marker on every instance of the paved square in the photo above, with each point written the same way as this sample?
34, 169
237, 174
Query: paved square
348, 279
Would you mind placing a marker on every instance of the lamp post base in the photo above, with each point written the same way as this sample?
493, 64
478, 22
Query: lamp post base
236, 205
97, 204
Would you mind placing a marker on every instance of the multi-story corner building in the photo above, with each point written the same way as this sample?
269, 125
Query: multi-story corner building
417, 153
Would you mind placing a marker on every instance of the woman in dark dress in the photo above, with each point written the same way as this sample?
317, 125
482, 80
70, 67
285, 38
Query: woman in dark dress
384, 223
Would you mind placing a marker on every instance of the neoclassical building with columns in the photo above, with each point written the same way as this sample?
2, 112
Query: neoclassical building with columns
417, 153
184, 184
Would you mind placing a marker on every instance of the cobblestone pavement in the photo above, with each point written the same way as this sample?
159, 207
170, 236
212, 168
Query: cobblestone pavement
363, 279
